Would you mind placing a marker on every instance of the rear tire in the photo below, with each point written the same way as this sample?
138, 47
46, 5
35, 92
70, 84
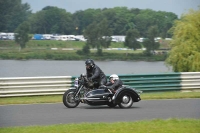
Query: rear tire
126, 101
68, 99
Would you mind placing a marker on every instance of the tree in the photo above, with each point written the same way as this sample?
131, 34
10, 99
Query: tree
184, 55
150, 43
52, 20
21, 35
91, 34
98, 35
12, 13
143, 20
131, 39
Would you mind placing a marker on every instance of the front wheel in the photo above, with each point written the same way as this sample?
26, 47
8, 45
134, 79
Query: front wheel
126, 101
68, 99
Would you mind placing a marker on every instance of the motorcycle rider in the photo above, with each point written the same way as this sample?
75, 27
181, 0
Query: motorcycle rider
114, 83
95, 74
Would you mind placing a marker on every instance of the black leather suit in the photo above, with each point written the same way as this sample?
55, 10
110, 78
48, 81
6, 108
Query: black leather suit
116, 85
97, 75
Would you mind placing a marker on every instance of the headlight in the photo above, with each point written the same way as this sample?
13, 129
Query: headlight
76, 82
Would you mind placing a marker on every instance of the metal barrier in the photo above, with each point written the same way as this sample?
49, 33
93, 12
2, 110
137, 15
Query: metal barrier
185, 81
29, 86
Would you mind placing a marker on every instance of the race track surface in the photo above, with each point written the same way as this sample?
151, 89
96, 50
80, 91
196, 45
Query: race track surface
48, 114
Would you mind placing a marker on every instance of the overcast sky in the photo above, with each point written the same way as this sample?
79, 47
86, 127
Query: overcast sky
176, 6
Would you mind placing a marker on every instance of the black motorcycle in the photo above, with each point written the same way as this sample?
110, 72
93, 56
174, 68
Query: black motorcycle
84, 92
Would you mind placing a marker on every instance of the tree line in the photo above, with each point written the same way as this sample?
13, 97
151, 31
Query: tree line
52, 20
97, 25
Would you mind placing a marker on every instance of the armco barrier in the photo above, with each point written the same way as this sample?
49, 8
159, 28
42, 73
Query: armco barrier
185, 81
29, 86
52, 85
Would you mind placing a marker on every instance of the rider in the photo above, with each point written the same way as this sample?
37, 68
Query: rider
94, 73
114, 83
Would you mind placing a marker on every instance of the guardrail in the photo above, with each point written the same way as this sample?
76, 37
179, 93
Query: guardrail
53, 85
29, 86
185, 81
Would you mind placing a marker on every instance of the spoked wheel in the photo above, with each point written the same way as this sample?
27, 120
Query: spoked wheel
68, 99
126, 101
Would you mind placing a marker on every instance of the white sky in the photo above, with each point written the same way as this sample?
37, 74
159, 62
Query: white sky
176, 6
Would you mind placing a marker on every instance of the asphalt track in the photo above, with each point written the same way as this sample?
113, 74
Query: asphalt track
48, 114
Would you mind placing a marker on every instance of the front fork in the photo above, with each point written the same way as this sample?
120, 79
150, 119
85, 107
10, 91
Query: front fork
76, 97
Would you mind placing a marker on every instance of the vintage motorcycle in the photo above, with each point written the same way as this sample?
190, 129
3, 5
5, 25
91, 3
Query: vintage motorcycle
85, 92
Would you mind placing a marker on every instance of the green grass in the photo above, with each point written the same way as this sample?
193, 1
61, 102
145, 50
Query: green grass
26, 54
42, 49
145, 126
53, 44
58, 98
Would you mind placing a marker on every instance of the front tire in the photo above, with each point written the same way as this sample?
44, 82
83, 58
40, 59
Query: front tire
68, 99
126, 101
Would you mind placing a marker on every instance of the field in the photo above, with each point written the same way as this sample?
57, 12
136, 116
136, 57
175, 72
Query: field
70, 50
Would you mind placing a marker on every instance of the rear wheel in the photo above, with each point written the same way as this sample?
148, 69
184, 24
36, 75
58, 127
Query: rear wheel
68, 99
126, 101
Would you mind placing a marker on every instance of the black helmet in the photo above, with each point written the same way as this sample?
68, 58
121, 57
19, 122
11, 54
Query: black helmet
89, 62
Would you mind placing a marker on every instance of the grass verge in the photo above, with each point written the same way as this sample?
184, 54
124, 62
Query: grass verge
69, 50
145, 126
58, 98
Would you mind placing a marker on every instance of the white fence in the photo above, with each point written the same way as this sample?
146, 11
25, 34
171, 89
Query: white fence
52, 85
29, 86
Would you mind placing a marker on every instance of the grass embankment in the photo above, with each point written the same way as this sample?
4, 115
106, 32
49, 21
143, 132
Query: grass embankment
58, 98
67, 50
146, 126
47, 44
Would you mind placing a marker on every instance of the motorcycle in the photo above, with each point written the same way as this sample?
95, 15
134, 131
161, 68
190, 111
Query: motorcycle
84, 91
